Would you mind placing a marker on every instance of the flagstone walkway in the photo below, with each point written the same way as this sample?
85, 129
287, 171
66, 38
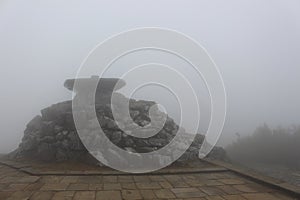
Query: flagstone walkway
219, 185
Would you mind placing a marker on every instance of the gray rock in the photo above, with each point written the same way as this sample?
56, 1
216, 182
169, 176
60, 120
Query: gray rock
105, 85
47, 128
65, 133
47, 139
46, 152
35, 123
145, 149
69, 121
111, 124
53, 112
59, 136
64, 144
58, 129
75, 142
61, 155
157, 142
128, 142
134, 113
116, 137
29, 144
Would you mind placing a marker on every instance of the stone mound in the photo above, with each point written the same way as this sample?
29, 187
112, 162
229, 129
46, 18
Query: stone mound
52, 136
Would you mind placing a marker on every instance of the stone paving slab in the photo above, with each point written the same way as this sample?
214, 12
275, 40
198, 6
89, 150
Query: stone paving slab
258, 177
222, 185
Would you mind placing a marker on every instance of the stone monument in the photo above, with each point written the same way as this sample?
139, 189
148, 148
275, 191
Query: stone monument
52, 136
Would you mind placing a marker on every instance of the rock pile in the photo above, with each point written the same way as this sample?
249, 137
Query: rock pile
52, 136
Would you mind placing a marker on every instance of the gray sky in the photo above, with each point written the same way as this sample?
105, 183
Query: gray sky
254, 43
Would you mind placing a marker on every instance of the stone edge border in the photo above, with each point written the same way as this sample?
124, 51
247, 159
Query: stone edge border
257, 177
26, 168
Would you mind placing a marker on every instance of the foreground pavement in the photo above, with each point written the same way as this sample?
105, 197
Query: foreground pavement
219, 185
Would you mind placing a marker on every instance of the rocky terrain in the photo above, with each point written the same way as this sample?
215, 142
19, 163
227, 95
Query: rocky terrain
52, 136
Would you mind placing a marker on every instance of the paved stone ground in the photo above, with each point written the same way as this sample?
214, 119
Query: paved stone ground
15, 184
281, 172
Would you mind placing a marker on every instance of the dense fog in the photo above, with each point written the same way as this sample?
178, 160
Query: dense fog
255, 44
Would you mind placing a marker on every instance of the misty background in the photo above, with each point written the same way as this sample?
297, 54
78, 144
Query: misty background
254, 43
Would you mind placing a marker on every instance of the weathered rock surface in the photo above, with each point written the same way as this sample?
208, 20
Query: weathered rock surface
52, 136
104, 85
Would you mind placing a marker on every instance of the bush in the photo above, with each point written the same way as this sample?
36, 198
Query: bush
269, 146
